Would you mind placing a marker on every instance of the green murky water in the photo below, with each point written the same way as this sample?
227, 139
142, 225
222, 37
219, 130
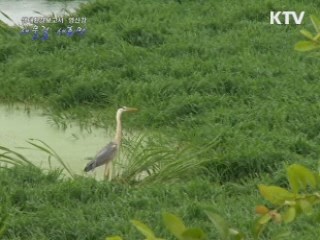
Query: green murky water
74, 145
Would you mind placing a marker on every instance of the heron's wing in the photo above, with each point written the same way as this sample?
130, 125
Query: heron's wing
104, 156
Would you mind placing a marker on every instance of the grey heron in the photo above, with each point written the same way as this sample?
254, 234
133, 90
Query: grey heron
108, 153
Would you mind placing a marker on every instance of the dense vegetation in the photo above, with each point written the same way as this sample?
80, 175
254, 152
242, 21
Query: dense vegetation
41, 206
201, 72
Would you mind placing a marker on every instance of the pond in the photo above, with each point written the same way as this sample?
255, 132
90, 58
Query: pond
73, 144
17, 9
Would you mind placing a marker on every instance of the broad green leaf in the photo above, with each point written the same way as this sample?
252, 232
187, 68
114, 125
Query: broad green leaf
289, 215
316, 38
313, 199
304, 46
274, 194
300, 177
307, 34
305, 206
220, 224
264, 219
258, 229
290, 202
315, 22
282, 235
236, 235
144, 229
174, 224
114, 238
194, 234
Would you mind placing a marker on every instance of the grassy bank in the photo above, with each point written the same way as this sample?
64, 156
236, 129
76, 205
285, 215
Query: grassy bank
42, 206
200, 72
197, 70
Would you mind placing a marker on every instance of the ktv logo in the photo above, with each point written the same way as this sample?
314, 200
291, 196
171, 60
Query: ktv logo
286, 17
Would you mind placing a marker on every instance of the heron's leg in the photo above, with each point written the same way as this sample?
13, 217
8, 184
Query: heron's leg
94, 172
106, 170
110, 171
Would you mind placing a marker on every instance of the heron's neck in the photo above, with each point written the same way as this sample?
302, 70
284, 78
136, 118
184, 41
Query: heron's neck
117, 138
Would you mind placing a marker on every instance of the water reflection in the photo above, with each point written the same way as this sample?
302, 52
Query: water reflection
74, 145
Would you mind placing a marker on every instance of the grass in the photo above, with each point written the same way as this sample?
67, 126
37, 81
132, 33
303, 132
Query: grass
86, 209
11, 158
195, 74
85, 201
151, 159
213, 77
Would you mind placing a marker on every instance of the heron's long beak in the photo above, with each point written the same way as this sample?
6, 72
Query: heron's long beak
130, 109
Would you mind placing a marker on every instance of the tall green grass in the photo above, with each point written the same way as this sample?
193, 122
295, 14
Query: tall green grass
11, 158
223, 86
42, 205
151, 159
197, 70
143, 160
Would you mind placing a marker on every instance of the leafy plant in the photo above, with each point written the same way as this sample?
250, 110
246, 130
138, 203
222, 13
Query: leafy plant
289, 204
286, 206
14, 158
8, 156
175, 226
150, 160
313, 41
41, 145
